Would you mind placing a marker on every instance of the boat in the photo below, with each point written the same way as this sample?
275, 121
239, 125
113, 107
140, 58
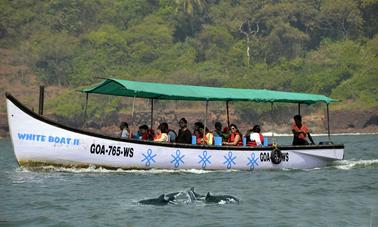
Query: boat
38, 140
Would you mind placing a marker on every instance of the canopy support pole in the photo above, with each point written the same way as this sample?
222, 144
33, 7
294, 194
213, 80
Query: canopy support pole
273, 129
328, 129
152, 113
132, 113
299, 109
85, 109
41, 99
228, 115
204, 130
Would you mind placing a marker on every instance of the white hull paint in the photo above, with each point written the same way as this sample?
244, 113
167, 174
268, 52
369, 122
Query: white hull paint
37, 140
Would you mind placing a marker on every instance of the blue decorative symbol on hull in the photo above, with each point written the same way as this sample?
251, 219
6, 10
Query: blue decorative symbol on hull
252, 161
230, 160
177, 158
148, 158
204, 159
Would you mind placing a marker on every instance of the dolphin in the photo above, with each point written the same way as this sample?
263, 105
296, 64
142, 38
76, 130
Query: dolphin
220, 199
196, 195
172, 196
159, 201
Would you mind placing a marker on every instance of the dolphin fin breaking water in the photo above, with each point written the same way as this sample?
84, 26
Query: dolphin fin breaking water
159, 201
189, 196
220, 199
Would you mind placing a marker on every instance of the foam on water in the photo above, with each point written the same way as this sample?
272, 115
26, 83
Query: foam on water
95, 169
353, 164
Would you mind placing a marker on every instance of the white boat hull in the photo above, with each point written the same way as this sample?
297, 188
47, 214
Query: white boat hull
37, 140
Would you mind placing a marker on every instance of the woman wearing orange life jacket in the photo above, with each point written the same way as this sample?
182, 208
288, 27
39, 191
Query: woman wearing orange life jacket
235, 138
161, 133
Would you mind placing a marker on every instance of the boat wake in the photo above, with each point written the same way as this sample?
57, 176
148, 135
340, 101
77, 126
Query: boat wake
355, 164
97, 169
343, 165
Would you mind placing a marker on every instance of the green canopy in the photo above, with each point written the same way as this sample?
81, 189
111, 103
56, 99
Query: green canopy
197, 93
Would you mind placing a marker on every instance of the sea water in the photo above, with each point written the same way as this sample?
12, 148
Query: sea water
343, 194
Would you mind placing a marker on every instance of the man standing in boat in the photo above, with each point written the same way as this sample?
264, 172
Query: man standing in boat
300, 131
184, 134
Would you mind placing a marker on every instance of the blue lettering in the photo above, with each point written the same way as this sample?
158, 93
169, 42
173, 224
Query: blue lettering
68, 140
21, 136
63, 140
76, 142
29, 136
33, 137
51, 139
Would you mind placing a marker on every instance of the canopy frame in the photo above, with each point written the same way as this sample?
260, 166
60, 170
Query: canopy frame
148, 90
152, 91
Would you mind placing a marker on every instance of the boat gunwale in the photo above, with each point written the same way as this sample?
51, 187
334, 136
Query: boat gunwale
175, 145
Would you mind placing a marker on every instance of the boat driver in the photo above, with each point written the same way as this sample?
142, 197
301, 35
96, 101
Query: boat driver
300, 132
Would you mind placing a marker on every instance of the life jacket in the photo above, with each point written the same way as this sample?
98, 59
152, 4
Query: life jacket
199, 138
253, 143
157, 136
304, 128
208, 139
232, 136
147, 136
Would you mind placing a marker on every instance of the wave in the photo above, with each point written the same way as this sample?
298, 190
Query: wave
355, 164
343, 165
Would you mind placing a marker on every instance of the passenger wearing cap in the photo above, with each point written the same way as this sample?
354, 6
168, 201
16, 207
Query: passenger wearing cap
184, 134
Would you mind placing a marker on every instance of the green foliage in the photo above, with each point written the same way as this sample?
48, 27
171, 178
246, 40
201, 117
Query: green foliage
328, 47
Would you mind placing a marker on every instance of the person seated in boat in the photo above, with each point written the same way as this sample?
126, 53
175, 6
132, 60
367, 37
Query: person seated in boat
145, 133
184, 134
171, 135
218, 132
254, 136
197, 130
162, 133
300, 132
235, 138
198, 136
226, 132
208, 139
125, 131
198, 125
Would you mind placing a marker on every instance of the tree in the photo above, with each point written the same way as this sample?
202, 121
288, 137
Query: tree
52, 56
340, 19
190, 6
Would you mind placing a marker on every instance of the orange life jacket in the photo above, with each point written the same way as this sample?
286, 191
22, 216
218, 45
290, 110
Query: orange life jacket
303, 134
157, 136
232, 136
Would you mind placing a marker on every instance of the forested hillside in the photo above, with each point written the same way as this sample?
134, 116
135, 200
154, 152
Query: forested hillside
318, 46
